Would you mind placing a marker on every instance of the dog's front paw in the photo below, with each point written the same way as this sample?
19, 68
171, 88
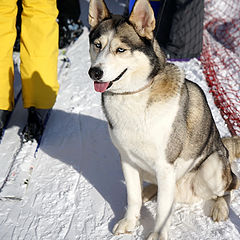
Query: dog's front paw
125, 226
157, 236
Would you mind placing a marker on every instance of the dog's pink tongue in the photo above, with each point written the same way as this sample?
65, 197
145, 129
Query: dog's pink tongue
100, 86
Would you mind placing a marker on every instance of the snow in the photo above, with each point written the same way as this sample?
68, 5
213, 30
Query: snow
75, 184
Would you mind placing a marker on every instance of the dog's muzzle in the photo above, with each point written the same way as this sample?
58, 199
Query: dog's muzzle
100, 86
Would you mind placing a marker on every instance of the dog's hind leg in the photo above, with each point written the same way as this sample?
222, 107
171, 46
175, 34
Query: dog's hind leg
212, 181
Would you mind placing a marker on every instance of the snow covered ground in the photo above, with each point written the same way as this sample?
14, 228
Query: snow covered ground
73, 187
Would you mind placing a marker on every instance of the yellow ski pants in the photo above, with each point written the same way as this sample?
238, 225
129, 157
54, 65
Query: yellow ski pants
38, 53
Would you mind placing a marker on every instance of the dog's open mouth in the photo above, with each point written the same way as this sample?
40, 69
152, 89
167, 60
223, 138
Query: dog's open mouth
103, 86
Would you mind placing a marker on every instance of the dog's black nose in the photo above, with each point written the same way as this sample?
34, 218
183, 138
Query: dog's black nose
95, 73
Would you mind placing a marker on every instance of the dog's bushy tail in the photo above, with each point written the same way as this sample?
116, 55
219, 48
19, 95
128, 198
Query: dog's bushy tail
233, 146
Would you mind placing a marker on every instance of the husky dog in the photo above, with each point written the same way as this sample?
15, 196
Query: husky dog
159, 121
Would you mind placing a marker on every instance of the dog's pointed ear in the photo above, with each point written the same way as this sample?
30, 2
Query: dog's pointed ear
142, 18
97, 12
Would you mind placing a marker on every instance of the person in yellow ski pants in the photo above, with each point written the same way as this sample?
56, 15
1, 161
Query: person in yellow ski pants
38, 54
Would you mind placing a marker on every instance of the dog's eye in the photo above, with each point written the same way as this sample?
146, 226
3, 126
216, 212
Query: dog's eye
120, 50
98, 45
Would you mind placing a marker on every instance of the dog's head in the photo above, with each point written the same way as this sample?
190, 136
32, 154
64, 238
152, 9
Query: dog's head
124, 54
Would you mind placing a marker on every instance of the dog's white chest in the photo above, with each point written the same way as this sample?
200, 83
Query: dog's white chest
138, 131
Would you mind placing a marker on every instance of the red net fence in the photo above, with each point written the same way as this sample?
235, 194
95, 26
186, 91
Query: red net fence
221, 58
